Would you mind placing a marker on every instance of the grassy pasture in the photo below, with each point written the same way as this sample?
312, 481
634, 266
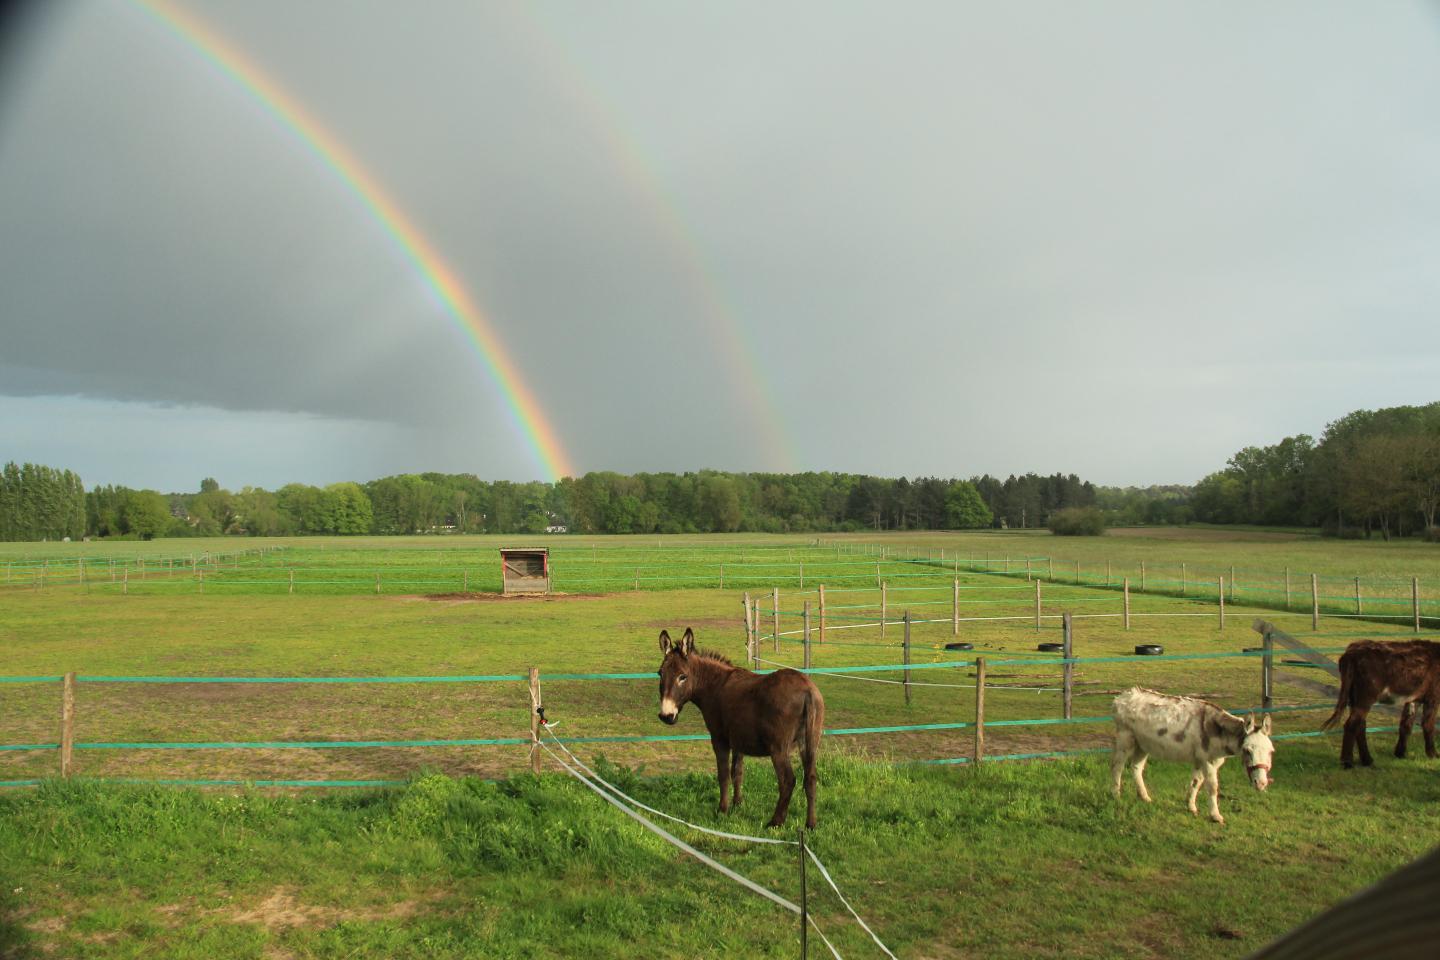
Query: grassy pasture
447, 867
1008, 861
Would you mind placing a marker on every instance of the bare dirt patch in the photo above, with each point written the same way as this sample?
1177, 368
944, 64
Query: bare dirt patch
282, 910
475, 597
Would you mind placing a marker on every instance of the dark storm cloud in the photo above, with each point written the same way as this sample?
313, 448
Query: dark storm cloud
1121, 239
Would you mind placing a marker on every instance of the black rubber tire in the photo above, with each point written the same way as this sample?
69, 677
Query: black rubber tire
1149, 650
1050, 647
959, 645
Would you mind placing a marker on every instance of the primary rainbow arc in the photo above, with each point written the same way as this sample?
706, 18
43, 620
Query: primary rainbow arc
456, 301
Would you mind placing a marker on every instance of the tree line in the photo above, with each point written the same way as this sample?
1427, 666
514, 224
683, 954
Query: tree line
600, 502
1371, 471
40, 503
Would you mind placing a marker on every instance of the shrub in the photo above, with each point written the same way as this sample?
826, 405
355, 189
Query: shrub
1077, 522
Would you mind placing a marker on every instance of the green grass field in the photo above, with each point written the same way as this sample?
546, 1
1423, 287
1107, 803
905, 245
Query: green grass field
391, 872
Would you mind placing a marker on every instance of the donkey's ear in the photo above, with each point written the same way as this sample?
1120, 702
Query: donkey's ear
687, 642
666, 644
1265, 725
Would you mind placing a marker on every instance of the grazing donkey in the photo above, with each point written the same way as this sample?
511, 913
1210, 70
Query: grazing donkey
747, 715
1183, 728
1408, 670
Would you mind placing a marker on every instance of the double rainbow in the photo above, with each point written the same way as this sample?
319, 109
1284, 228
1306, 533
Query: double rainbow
524, 409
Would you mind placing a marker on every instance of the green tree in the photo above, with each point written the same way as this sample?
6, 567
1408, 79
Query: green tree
965, 509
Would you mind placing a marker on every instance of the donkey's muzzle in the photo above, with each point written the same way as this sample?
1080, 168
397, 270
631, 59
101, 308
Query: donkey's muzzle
669, 718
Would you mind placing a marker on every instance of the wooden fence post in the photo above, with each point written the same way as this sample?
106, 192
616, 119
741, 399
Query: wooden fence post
377, 580
535, 704
752, 630
979, 711
125, 583
1127, 603
1077, 572
464, 581
1037, 605
884, 591
67, 723
1287, 588
722, 576
802, 574
637, 579
1415, 600
907, 658
822, 613
202, 580
877, 573
807, 634
1314, 601
775, 610
1068, 683
1232, 583
1357, 597
1142, 576
955, 606
292, 581
1267, 667
1184, 585
1220, 597
1028, 576
1050, 567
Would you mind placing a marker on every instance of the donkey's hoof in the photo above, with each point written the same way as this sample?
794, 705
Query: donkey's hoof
1346, 765
1367, 761
1216, 818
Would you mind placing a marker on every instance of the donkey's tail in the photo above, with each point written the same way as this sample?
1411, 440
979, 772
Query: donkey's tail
814, 723
1347, 673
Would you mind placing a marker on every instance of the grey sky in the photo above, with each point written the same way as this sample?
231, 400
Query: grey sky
1120, 239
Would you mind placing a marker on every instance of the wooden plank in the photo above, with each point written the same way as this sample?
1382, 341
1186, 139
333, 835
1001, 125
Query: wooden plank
1068, 682
979, 711
67, 723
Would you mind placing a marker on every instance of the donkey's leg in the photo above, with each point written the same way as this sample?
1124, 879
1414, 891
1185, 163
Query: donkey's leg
1347, 746
1197, 777
1427, 726
737, 773
1212, 780
1139, 758
785, 780
1358, 718
1407, 721
1124, 741
722, 773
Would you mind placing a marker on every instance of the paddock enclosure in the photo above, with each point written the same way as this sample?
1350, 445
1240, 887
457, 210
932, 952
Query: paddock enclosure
347, 666
320, 663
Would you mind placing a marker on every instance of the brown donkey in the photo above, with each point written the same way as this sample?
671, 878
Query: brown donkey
1408, 670
748, 715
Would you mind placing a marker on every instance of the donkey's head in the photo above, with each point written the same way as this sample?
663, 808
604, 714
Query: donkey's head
1258, 753
674, 673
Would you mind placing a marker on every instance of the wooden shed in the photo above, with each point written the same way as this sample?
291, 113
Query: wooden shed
525, 570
